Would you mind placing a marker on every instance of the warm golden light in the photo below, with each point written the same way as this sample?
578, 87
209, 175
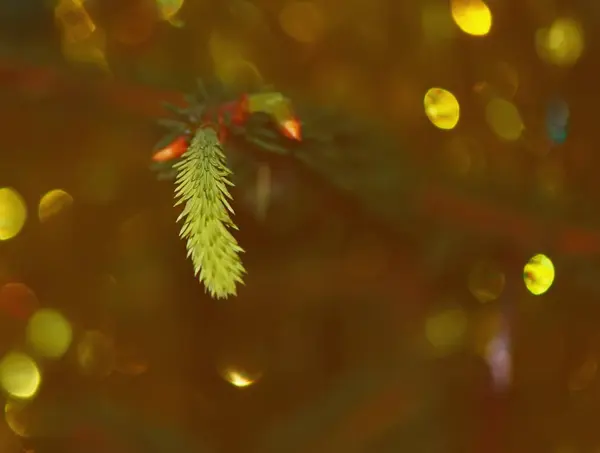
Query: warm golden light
13, 213
168, 9
49, 333
17, 416
76, 23
538, 274
504, 119
472, 16
238, 72
19, 375
445, 330
90, 50
17, 300
442, 108
52, 203
562, 44
222, 48
238, 378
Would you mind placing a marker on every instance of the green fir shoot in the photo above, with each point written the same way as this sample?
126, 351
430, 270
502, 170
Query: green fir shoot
202, 187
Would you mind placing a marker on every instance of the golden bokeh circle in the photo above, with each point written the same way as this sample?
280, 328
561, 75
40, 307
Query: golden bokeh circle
472, 16
49, 333
538, 274
442, 108
13, 213
20, 376
52, 203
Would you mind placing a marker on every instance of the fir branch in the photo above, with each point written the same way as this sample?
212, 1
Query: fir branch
202, 187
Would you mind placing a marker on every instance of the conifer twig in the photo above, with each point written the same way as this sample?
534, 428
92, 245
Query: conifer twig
202, 187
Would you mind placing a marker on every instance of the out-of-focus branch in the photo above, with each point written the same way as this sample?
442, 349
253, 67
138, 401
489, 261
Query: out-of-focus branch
432, 200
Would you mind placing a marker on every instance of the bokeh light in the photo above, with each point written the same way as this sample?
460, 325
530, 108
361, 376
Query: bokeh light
222, 48
486, 282
239, 73
18, 300
74, 19
20, 376
90, 51
442, 108
562, 44
538, 274
499, 359
96, 355
472, 16
504, 119
557, 120
168, 9
49, 333
13, 213
17, 415
239, 378
52, 203
446, 330
82, 40
248, 15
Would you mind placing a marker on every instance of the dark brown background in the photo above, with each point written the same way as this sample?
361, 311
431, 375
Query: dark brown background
332, 314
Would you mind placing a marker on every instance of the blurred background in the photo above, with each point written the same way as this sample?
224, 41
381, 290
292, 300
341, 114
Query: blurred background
469, 325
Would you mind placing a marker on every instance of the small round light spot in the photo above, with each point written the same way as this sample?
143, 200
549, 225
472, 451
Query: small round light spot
49, 333
472, 16
52, 203
504, 119
445, 330
19, 375
13, 213
538, 274
238, 378
562, 44
442, 108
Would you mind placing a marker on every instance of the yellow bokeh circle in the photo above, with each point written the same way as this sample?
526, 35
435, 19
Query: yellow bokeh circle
52, 203
13, 213
472, 16
442, 108
504, 119
538, 274
19, 375
562, 43
446, 329
49, 333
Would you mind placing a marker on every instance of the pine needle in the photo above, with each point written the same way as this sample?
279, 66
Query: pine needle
202, 187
